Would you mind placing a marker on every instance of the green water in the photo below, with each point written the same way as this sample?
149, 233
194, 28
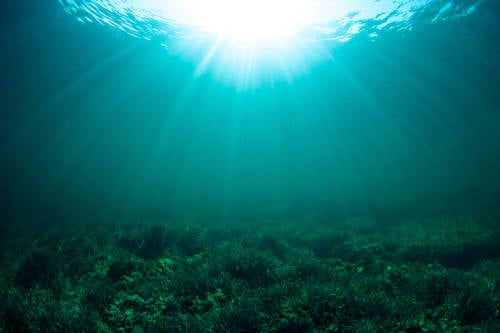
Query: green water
96, 122
154, 178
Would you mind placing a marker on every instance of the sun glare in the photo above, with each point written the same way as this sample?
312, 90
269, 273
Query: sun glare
251, 19
249, 41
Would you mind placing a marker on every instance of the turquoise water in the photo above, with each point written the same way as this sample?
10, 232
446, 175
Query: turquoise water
110, 108
332, 167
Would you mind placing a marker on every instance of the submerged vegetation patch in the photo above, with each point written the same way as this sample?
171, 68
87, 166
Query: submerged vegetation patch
435, 275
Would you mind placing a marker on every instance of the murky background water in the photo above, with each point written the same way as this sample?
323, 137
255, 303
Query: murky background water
155, 177
110, 109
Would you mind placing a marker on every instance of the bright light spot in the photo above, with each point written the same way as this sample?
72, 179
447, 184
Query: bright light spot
252, 19
248, 41
262, 19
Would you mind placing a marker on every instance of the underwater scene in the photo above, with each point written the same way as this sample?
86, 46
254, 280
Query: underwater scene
250, 166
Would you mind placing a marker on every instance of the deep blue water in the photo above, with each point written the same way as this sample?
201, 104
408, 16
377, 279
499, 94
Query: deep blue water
98, 121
